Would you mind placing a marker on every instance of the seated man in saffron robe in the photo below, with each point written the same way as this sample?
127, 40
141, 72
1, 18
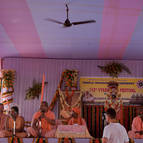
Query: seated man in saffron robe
43, 122
137, 126
76, 118
3, 121
16, 129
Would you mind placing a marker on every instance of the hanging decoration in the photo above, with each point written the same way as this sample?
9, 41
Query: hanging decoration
114, 69
113, 98
66, 109
7, 87
70, 78
34, 91
68, 83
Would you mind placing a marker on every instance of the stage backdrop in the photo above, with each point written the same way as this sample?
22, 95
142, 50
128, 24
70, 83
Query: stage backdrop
97, 88
28, 69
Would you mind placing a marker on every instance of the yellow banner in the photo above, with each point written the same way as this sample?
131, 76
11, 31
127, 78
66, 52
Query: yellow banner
98, 86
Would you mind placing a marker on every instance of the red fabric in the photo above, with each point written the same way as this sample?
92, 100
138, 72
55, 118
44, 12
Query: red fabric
89, 117
41, 140
97, 119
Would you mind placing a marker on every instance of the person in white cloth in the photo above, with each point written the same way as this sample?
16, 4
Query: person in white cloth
114, 132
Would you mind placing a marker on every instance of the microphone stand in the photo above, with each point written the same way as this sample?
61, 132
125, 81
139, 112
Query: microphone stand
40, 125
40, 130
103, 119
14, 128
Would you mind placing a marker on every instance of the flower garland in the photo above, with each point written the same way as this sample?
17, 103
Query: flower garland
8, 77
114, 69
70, 78
62, 97
113, 98
68, 96
66, 109
7, 86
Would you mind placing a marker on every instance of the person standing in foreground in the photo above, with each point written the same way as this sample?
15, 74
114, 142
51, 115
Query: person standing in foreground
114, 132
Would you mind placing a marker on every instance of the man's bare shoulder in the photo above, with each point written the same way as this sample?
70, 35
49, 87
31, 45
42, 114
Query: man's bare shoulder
20, 117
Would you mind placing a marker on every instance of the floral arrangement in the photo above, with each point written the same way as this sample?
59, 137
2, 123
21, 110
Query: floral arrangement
8, 77
70, 78
113, 98
114, 69
66, 108
34, 91
7, 87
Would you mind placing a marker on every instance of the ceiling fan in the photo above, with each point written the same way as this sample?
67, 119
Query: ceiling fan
67, 22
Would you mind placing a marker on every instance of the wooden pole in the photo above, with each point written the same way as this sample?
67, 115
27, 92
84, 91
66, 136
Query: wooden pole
42, 90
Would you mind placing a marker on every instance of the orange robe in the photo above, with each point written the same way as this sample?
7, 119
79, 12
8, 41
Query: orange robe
3, 122
46, 128
19, 126
79, 121
137, 125
72, 121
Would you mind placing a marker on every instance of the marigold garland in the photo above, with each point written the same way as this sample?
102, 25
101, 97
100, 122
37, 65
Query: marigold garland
62, 98
8, 77
70, 78
113, 98
7, 86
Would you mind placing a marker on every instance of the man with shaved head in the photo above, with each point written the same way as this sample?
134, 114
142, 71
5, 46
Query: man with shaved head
43, 122
18, 120
137, 125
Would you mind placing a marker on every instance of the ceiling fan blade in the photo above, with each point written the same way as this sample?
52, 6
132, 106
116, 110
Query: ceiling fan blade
83, 22
53, 20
